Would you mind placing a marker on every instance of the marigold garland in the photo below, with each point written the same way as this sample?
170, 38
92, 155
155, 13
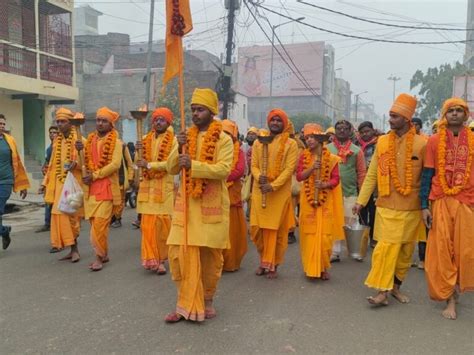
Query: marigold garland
163, 153
309, 183
454, 190
392, 161
58, 163
235, 160
275, 169
195, 187
107, 151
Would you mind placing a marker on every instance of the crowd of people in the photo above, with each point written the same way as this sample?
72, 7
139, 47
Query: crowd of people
407, 186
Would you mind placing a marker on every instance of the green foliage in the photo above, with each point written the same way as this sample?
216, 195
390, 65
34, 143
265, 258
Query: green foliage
435, 86
300, 119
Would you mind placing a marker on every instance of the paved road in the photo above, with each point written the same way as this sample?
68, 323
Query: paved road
47, 306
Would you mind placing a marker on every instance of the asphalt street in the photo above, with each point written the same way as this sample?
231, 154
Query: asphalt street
48, 306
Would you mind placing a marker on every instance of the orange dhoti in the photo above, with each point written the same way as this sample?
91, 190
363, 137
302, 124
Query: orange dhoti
64, 230
196, 272
450, 249
100, 235
155, 230
118, 210
238, 239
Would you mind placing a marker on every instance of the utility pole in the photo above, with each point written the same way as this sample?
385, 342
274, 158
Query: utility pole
148, 58
357, 104
232, 5
394, 79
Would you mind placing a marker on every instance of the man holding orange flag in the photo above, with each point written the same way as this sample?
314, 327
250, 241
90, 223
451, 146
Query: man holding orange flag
155, 194
103, 156
199, 234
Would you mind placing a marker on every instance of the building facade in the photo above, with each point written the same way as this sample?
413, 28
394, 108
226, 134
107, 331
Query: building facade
36, 69
469, 55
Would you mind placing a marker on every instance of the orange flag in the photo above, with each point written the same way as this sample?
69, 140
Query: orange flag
178, 23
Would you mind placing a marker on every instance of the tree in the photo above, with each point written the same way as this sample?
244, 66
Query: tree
300, 119
434, 88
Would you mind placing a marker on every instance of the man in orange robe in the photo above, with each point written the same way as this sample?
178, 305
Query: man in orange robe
155, 194
448, 182
103, 155
321, 220
65, 228
270, 223
198, 237
237, 226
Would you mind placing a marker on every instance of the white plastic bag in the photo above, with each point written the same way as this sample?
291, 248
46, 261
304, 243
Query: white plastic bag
72, 196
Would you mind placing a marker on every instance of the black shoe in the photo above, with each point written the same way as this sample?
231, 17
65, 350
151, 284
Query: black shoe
55, 250
291, 238
136, 224
373, 243
6, 237
42, 229
116, 224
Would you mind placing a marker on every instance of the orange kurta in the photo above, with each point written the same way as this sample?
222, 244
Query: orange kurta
269, 226
64, 228
155, 204
102, 195
320, 227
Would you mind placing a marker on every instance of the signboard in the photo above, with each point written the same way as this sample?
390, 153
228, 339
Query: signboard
254, 69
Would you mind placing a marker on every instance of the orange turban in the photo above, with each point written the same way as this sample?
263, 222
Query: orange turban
230, 127
312, 128
252, 130
164, 112
280, 113
331, 130
64, 114
108, 114
207, 98
405, 106
453, 102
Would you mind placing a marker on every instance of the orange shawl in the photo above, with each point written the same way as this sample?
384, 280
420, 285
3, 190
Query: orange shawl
19, 173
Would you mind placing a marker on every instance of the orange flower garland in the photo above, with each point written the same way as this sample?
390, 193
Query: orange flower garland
163, 153
58, 164
195, 187
107, 151
403, 190
235, 160
454, 190
275, 169
309, 183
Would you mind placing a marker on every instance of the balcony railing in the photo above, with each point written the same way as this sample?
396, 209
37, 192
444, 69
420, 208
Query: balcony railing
17, 61
57, 70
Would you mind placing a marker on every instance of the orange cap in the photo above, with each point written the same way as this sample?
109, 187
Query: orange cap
405, 106
280, 113
108, 114
164, 112
64, 114
312, 128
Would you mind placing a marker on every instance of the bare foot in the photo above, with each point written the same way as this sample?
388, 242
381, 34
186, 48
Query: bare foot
104, 259
173, 317
209, 311
450, 311
400, 297
379, 300
325, 276
260, 271
272, 275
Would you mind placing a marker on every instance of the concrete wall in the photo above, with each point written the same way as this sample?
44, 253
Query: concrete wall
239, 113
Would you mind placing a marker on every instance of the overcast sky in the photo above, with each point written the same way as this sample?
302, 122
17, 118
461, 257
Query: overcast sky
365, 64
